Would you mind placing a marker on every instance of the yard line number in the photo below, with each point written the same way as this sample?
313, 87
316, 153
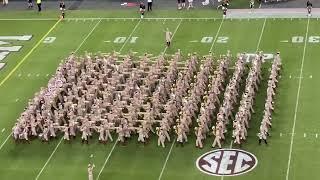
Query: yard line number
300, 39
49, 40
120, 40
220, 39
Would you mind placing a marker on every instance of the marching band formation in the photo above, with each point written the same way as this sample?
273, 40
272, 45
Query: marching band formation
109, 94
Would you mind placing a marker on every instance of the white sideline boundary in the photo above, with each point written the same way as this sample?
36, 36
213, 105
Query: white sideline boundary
297, 102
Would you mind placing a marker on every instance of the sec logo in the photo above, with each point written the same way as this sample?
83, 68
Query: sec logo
226, 162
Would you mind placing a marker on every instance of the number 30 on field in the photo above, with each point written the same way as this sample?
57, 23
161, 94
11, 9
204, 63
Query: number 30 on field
300, 39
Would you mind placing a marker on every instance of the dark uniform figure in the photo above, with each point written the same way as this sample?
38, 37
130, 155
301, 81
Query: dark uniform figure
309, 7
62, 6
149, 5
142, 9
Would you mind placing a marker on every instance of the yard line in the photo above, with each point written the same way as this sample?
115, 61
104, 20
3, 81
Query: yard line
5, 141
134, 29
113, 147
107, 159
29, 53
262, 31
167, 158
297, 101
55, 149
165, 49
84, 40
215, 38
230, 147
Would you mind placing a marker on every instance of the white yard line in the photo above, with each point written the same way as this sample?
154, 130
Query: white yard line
167, 158
262, 31
55, 149
217, 34
44, 166
4, 142
134, 29
114, 145
85, 39
230, 147
297, 101
165, 49
107, 159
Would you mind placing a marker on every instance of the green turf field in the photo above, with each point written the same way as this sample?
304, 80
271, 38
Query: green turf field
293, 145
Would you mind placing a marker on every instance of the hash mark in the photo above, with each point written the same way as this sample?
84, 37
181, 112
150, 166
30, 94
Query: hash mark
310, 76
280, 134
19, 75
47, 75
17, 100
304, 135
38, 75
3, 130
29, 75
317, 135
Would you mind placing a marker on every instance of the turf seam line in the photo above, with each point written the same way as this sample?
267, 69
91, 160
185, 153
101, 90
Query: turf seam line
261, 34
85, 39
134, 29
216, 37
167, 158
28, 54
107, 159
165, 49
297, 100
55, 149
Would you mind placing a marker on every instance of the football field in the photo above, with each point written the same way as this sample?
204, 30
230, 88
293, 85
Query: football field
292, 152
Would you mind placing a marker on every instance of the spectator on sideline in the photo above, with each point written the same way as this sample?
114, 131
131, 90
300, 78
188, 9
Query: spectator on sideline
30, 4
179, 5
62, 6
149, 5
4, 2
309, 7
39, 5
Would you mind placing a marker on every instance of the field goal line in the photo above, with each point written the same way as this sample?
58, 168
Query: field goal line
159, 18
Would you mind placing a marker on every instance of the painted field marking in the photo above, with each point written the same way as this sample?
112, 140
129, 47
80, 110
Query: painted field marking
44, 166
107, 159
29, 53
297, 102
217, 34
230, 147
304, 135
19, 75
165, 49
5, 140
280, 134
167, 158
262, 31
114, 145
317, 135
134, 29
48, 75
3, 130
84, 40
17, 99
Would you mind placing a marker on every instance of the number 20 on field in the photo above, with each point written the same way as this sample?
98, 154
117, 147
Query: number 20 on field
300, 39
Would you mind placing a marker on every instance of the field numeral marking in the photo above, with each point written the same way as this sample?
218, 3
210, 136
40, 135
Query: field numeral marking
209, 39
120, 40
300, 39
49, 40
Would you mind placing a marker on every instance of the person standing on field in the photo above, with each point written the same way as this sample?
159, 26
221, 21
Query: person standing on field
39, 5
168, 37
4, 2
90, 171
149, 5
